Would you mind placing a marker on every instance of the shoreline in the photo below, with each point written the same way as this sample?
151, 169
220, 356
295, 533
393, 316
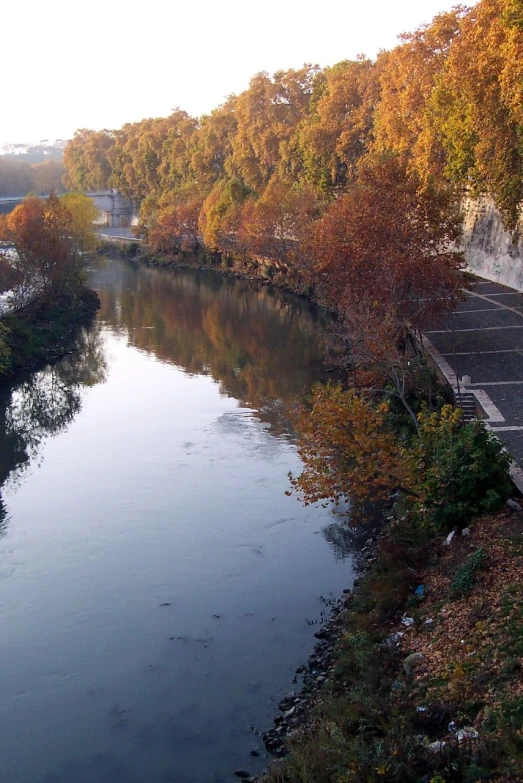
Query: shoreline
366, 669
143, 254
382, 671
42, 334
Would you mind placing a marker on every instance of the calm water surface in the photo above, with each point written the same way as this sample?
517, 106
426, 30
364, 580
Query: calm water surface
155, 581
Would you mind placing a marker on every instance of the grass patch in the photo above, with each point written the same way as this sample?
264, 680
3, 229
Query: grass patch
466, 576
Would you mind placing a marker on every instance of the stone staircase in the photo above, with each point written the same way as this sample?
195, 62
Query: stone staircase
467, 402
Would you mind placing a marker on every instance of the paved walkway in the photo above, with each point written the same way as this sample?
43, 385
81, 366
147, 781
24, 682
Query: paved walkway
483, 339
117, 232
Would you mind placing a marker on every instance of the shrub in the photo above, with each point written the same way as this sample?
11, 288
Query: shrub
5, 351
465, 577
464, 469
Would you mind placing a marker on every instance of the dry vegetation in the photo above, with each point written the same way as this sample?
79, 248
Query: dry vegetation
401, 690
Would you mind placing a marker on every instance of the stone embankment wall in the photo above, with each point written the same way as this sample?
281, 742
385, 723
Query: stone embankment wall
489, 249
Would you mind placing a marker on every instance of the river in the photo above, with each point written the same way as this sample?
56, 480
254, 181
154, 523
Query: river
156, 584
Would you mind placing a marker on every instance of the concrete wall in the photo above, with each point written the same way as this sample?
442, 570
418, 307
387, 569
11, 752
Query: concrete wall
489, 250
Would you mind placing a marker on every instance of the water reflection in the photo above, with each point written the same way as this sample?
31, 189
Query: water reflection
261, 347
156, 580
44, 403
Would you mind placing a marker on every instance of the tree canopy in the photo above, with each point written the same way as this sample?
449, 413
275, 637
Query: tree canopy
447, 100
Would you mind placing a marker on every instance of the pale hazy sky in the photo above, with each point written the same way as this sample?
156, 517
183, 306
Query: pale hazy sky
68, 65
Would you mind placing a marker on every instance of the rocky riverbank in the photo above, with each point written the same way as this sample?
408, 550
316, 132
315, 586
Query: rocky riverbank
417, 674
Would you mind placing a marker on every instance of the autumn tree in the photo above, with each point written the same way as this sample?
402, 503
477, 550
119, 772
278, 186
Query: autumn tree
83, 213
46, 261
407, 77
211, 145
47, 177
273, 225
152, 156
383, 257
220, 217
348, 449
88, 160
268, 113
477, 105
338, 130
175, 223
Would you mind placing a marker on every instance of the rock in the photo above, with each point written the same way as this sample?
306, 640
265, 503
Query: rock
513, 505
347, 591
242, 773
322, 634
255, 753
411, 663
286, 703
467, 734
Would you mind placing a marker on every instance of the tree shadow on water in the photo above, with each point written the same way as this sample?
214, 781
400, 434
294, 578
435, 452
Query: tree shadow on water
42, 404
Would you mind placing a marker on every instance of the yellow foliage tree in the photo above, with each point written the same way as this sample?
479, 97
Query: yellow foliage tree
348, 449
83, 214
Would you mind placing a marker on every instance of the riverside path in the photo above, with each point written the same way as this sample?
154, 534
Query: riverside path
481, 346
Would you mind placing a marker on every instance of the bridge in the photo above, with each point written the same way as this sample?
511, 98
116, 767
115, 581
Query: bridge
114, 209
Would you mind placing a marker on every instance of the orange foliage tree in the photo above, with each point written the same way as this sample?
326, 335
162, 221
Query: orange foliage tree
388, 245
384, 257
348, 449
176, 224
273, 226
45, 261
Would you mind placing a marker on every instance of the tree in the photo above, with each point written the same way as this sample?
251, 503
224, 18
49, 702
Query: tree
338, 130
273, 225
347, 449
211, 146
88, 159
407, 77
220, 216
83, 213
46, 261
268, 113
383, 256
477, 105
175, 225
389, 244
5, 351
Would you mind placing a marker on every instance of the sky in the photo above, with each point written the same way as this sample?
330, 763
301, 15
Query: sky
68, 65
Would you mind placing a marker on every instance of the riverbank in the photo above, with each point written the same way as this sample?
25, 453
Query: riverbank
359, 716
417, 676
261, 270
43, 331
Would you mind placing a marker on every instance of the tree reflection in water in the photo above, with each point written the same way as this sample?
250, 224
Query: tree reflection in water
44, 403
265, 348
